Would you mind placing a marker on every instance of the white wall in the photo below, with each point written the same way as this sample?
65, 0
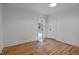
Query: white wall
20, 25
1, 29
64, 26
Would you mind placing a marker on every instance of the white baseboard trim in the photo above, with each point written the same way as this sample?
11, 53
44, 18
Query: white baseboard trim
68, 43
16, 43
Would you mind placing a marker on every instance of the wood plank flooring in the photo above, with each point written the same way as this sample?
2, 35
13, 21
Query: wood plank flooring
48, 47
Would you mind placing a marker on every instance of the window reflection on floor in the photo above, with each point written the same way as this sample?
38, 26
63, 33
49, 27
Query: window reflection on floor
40, 44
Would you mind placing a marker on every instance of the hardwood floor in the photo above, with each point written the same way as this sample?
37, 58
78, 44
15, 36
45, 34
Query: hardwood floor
48, 47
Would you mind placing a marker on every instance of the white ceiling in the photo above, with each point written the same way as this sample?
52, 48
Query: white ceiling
44, 8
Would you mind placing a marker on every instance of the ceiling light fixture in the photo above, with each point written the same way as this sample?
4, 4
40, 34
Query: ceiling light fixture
52, 4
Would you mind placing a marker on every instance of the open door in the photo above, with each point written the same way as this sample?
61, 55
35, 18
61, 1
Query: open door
41, 30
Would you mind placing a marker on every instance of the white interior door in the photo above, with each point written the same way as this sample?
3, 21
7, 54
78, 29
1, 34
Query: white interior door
41, 29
